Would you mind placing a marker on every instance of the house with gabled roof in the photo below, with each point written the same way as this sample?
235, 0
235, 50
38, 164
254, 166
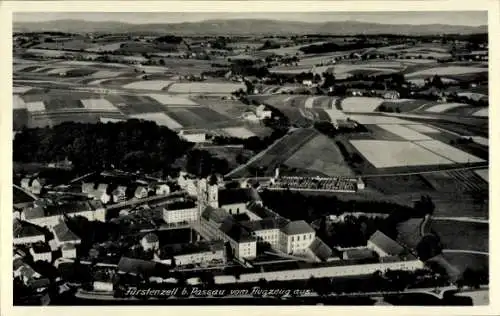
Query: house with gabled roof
383, 245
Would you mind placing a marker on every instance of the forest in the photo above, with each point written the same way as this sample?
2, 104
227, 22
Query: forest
131, 146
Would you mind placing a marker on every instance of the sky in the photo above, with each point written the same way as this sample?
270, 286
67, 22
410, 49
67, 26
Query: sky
469, 18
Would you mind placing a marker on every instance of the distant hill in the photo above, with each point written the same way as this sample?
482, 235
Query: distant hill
246, 27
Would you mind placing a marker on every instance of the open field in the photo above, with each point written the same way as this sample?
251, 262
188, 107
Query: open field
239, 132
483, 173
404, 132
206, 87
403, 184
462, 235
458, 181
198, 117
409, 233
135, 104
148, 85
171, 100
444, 107
320, 154
360, 104
448, 152
462, 261
386, 154
481, 113
423, 128
405, 105
159, 118
446, 71
480, 140
377, 119
278, 153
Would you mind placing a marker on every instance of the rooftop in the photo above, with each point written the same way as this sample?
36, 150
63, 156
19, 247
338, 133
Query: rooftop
385, 243
320, 249
63, 233
297, 227
73, 206
25, 229
263, 224
40, 248
135, 266
236, 231
363, 253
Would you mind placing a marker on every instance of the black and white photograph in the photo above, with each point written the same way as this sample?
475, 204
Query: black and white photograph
250, 158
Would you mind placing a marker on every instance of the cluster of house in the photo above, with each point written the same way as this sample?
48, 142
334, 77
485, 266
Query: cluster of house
260, 112
110, 193
386, 94
35, 240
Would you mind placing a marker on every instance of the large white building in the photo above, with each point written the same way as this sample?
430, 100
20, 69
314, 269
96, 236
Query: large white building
180, 212
296, 237
217, 224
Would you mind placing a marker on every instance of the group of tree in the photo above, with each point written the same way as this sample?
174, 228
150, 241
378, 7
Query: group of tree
333, 47
201, 163
132, 145
299, 206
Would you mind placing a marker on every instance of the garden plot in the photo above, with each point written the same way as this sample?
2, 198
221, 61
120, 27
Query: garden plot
446, 71
239, 132
481, 113
387, 154
377, 119
171, 99
18, 102
448, 152
98, 105
148, 85
422, 128
483, 173
38, 106
206, 87
444, 107
404, 132
361, 104
159, 118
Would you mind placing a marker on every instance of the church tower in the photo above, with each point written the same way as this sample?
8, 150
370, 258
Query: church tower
213, 195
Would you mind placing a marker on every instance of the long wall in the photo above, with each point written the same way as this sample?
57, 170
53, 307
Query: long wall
337, 271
